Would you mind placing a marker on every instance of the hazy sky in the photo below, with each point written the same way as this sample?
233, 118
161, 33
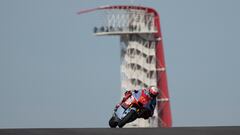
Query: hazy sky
55, 73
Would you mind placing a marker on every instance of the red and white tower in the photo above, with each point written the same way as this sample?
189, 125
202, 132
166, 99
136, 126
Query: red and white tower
142, 55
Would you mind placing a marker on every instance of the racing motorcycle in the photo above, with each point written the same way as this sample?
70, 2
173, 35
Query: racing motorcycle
128, 110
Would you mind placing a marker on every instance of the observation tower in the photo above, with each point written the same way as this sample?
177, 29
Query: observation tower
142, 54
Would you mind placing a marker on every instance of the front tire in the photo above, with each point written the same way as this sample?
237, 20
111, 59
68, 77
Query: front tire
131, 116
112, 122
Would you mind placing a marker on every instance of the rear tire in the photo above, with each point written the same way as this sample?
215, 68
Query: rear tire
131, 116
112, 122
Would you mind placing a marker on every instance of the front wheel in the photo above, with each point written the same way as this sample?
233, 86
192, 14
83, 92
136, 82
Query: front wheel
131, 116
112, 122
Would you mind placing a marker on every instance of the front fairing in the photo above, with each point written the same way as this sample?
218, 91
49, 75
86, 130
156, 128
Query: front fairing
122, 111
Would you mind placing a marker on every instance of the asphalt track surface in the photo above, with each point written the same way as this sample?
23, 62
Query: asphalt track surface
126, 131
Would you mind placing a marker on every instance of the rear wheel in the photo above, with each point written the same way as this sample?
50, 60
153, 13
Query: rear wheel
112, 122
131, 116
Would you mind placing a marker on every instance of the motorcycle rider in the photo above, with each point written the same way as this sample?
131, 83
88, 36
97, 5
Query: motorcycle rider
150, 95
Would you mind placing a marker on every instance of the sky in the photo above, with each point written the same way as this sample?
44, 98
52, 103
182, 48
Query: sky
54, 73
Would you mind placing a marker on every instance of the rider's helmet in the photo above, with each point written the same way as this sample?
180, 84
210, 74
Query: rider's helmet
153, 91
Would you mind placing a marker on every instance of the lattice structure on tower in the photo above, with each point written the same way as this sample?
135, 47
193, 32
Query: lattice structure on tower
142, 57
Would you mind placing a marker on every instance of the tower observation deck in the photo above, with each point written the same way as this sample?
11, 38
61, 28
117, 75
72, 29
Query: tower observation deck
142, 55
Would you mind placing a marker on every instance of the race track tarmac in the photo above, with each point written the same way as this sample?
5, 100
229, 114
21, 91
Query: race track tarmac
126, 131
